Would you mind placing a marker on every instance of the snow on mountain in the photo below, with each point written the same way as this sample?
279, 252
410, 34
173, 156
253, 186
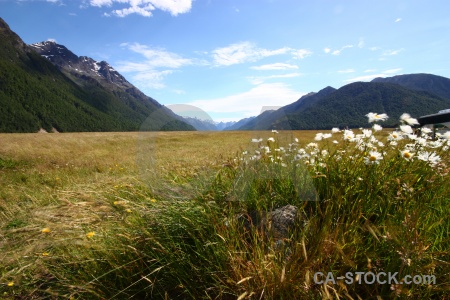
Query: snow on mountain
66, 60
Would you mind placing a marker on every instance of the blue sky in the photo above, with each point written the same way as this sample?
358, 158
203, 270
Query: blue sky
232, 57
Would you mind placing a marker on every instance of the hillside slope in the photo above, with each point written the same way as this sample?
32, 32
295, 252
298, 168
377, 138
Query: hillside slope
35, 94
347, 107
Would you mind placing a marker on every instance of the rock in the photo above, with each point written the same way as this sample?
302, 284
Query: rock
276, 224
281, 220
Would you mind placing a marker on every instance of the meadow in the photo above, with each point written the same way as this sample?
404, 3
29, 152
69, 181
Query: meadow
157, 215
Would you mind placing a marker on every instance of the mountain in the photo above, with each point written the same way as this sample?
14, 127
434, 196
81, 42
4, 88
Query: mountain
239, 124
347, 107
270, 119
201, 125
223, 125
434, 84
35, 93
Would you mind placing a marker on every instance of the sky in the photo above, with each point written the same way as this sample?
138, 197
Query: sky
231, 58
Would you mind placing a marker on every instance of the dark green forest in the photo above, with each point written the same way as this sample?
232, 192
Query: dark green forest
35, 94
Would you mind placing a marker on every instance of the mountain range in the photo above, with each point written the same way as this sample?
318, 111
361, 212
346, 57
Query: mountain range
46, 86
416, 94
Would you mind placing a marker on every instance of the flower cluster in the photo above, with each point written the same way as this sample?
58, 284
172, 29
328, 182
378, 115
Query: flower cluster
369, 144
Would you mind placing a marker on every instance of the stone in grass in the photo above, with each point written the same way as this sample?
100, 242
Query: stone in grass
276, 223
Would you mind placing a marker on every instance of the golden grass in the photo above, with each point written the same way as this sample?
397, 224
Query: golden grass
69, 182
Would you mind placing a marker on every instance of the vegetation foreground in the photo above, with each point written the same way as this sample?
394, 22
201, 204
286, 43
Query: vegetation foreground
162, 215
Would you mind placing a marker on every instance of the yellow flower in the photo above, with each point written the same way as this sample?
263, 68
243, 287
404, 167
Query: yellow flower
128, 210
11, 283
45, 254
90, 234
45, 230
153, 200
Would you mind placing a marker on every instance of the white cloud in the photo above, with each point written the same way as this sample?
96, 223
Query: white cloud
248, 52
398, 20
361, 43
327, 50
338, 52
151, 78
301, 53
156, 66
346, 71
386, 73
370, 70
242, 52
100, 3
155, 58
392, 52
275, 66
249, 103
145, 7
261, 79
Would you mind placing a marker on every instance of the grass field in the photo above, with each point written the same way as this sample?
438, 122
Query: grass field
152, 215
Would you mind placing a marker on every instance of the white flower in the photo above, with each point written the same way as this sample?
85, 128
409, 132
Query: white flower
335, 130
377, 127
367, 132
446, 135
271, 139
296, 140
431, 157
408, 120
407, 154
395, 135
319, 136
426, 130
421, 141
373, 117
348, 135
435, 144
274, 131
335, 142
326, 135
373, 158
406, 129
312, 145
257, 140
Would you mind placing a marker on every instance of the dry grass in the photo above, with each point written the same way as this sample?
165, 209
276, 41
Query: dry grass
84, 213
69, 183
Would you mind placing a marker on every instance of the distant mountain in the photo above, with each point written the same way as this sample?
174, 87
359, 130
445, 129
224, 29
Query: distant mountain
434, 84
277, 119
201, 125
239, 124
35, 93
223, 125
347, 107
